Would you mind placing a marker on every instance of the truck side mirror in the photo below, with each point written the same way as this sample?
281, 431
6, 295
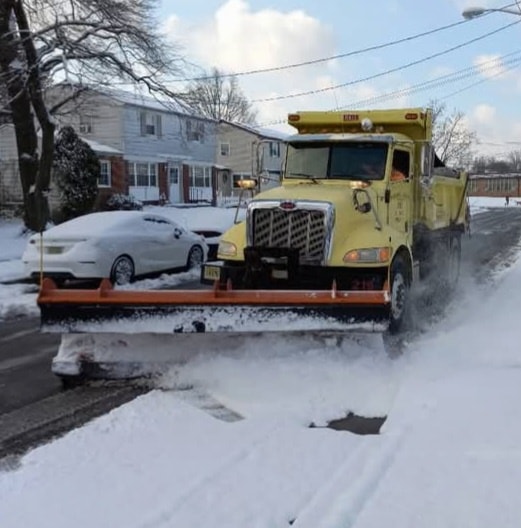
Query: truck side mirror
362, 206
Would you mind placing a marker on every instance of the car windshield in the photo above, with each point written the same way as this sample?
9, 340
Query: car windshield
346, 161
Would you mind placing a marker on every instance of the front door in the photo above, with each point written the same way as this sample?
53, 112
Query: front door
400, 207
174, 192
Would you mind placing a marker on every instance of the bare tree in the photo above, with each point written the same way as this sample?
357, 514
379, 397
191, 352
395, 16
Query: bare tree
514, 159
451, 138
219, 97
88, 42
512, 163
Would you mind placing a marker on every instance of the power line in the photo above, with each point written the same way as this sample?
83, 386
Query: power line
437, 81
329, 58
387, 72
449, 78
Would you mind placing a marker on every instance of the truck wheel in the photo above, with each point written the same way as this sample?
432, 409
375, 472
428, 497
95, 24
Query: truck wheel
400, 285
453, 261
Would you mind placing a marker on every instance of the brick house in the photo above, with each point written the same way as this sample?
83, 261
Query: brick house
168, 154
497, 185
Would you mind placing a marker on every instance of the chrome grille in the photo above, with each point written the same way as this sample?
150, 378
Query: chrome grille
305, 229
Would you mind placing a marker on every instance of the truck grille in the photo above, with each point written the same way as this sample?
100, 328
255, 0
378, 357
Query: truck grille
305, 229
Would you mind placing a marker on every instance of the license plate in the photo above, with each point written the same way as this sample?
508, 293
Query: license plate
54, 250
212, 272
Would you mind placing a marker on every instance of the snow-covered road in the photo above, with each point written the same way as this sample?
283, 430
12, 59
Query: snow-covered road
447, 455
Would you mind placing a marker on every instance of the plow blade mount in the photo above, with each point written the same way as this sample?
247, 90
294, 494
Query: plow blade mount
211, 310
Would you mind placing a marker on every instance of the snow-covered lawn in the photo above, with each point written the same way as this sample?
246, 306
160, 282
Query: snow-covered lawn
448, 453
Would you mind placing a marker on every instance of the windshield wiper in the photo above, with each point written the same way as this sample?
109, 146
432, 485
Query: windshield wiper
305, 175
346, 176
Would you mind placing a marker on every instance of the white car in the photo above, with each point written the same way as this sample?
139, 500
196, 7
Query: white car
119, 245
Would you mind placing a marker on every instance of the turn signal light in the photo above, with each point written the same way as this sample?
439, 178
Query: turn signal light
368, 255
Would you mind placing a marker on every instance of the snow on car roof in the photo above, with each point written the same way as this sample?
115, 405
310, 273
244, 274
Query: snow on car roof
94, 223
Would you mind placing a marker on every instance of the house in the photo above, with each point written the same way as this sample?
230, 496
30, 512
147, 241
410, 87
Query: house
493, 184
245, 152
154, 150
149, 149
168, 154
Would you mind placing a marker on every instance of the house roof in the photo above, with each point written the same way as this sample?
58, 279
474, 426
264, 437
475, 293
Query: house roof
490, 175
263, 132
136, 98
100, 148
151, 102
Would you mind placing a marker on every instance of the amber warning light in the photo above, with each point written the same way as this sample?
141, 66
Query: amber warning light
293, 117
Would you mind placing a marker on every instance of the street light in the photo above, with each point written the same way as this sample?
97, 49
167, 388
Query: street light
473, 12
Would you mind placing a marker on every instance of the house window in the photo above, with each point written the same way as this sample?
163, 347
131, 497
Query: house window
104, 175
502, 185
195, 131
274, 147
200, 176
473, 186
150, 124
143, 174
85, 125
225, 149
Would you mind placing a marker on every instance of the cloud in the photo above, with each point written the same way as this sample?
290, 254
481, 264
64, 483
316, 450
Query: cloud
484, 113
238, 38
490, 66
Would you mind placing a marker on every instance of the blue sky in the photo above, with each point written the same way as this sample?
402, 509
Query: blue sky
238, 36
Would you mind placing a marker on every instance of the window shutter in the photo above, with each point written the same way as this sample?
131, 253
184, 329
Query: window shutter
159, 130
143, 123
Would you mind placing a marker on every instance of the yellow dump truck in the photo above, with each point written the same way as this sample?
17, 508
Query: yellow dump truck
365, 209
365, 206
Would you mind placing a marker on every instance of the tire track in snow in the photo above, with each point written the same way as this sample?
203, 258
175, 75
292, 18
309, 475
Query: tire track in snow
357, 479
208, 480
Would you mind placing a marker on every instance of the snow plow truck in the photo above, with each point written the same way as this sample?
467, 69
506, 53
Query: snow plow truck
365, 211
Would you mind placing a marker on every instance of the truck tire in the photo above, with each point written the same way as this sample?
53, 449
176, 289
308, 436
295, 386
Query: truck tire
453, 261
400, 278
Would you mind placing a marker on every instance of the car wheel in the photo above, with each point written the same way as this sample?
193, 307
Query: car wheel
400, 285
195, 257
122, 271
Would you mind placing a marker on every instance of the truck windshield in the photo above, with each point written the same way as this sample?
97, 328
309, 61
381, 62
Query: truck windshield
336, 161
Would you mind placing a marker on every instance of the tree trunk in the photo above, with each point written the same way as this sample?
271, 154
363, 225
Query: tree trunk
36, 208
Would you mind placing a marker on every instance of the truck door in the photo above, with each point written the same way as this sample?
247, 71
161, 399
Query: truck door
400, 184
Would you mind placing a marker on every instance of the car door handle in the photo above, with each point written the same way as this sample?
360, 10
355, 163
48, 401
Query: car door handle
177, 233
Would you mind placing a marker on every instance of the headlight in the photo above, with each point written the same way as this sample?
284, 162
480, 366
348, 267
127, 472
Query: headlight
368, 255
227, 249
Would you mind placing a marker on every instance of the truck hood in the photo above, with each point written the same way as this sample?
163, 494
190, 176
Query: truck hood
341, 195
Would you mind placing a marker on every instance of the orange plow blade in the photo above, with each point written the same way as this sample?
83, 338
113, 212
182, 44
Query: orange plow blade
210, 310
